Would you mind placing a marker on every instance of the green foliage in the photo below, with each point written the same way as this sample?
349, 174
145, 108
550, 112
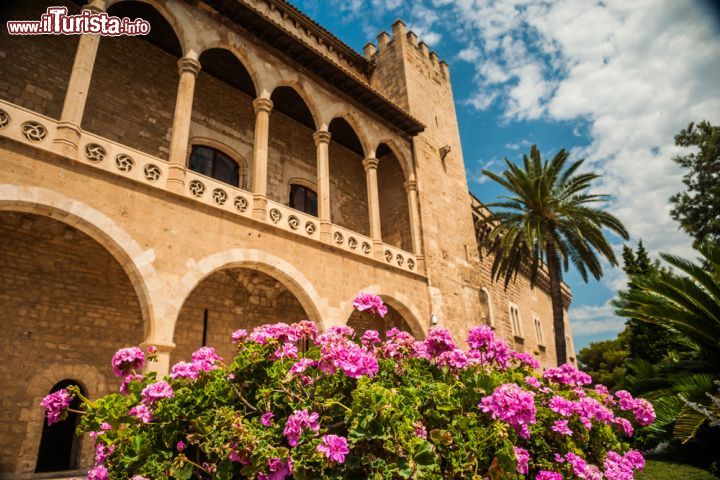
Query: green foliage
698, 208
606, 361
661, 470
548, 217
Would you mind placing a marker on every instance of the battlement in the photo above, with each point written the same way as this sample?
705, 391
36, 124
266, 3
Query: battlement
407, 39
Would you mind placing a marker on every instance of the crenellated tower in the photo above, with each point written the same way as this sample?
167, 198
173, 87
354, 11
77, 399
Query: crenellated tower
415, 78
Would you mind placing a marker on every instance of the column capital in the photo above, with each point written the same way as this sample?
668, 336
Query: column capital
262, 105
188, 64
410, 186
370, 163
321, 136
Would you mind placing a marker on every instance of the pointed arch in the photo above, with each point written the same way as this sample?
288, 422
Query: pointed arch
303, 95
172, 20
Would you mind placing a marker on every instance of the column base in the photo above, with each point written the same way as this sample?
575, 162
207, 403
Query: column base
259, 209
326, 231
176, 179
162, 365
67, 138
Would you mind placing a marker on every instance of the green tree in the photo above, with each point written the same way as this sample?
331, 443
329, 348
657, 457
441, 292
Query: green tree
698, 209
606, 361
548, 217
645, 341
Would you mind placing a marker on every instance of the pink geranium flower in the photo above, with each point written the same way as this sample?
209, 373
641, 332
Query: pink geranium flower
513, 405
205, 359
523, 460
184, 370
127, 360
141, 412
267, 419
334, 447
56, 405
157, 391
297, 422
368, 302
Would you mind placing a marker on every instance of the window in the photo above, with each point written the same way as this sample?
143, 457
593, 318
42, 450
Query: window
304, 199
59, 444
539, 332
515, 320
214, 163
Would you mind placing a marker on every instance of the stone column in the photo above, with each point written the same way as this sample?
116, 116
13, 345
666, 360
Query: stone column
162, 365
188, 68
68, 129
371, 165
412, 196
322, 144
263, 107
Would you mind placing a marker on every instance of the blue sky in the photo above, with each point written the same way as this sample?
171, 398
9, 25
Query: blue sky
611, 80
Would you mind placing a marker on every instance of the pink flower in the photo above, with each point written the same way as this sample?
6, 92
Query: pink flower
184, 370
239, 456
533, 382
561, 427
306, 329
513, 405
582, 469
548, 475
286, 350
138, 477
125, 385
205, 359
296, 422
180, 446
526, 359
563, 406
278, 469
371, 303
619, 467
567, 375
370, 337
141, 412
335, 448
420, 430
644, 412
523, 460
56, 405
157, 391
105, 426
301, 365
455, 359
438, 341
126, 360
103, 451
486, 348
97, 473
238, 336
267, 419
625, 425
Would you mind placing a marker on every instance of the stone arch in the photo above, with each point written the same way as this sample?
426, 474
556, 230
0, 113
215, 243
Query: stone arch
247, 61
136, 262
303, 94
392, 195
88, 377
169, 16
357, 127
486, 307
281, 270
398, 301
406, 163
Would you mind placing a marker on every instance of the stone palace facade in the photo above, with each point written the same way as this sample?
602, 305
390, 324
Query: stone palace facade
238, 165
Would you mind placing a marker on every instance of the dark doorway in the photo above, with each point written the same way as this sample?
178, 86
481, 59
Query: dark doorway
59, 444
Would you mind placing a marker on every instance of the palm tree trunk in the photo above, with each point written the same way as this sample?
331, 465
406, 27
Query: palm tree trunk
557, 305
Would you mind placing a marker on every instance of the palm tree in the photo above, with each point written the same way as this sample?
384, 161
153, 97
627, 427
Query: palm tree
548, 218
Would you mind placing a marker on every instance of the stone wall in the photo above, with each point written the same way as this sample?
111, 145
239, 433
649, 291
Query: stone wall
64, 300
34, 70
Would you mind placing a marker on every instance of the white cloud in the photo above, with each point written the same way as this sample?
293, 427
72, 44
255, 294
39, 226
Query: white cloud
595, 320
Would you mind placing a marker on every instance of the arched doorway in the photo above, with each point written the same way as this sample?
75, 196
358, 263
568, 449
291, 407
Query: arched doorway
348, 188
65, 300
132, 93
59, 444
227, 300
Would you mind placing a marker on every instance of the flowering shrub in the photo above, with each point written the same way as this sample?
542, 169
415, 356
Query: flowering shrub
358, 407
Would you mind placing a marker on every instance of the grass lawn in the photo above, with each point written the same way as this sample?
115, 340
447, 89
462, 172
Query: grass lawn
657, 470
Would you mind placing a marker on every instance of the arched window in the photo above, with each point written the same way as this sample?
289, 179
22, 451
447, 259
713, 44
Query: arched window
515, 322
213, 163
486, 307
59, 444
303, 198
539, 332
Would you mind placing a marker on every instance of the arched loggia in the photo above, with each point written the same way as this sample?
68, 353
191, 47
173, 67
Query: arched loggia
394, 210
131, 98
292, 165
224, 92
348, 187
